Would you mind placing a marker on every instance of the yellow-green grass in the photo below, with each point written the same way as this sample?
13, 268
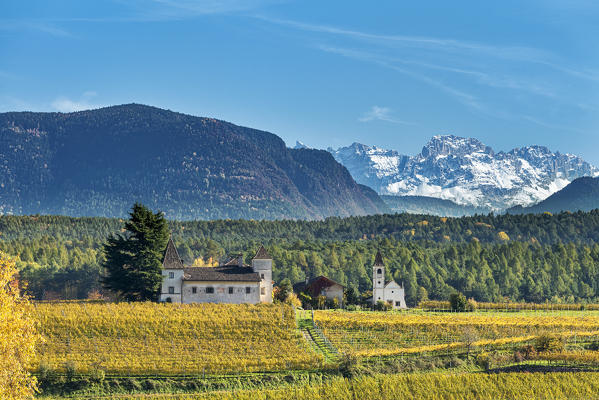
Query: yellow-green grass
170, 339
382, 333
431, 386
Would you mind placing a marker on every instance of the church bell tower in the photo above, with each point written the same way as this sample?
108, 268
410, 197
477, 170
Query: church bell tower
378, 272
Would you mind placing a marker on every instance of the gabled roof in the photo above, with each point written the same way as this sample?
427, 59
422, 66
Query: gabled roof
230, 274
233, 260
171, 257
316, 285
393, 284
378, 260
262, 254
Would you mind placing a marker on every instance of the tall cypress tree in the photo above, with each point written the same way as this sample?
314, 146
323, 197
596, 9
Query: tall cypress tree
134, 259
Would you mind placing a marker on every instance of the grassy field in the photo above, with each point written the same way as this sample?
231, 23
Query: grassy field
429, 386
377, 334
147, 338
168, 351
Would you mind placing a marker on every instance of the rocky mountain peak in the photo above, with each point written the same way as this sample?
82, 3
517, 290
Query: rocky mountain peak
444, 145
465, 171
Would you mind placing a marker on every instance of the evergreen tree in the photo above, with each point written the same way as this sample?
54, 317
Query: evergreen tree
134, 260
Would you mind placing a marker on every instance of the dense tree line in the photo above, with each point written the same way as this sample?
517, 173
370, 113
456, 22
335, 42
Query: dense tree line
532, 258
543, 228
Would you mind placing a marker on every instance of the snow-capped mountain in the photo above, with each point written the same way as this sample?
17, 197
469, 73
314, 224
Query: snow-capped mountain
300, 145
465, 171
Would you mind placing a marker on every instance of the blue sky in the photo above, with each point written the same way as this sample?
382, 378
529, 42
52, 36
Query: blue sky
328, 73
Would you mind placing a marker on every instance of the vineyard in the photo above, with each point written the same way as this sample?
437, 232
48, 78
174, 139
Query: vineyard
370, 334
210, 351
432, 386
437, 305
147, 338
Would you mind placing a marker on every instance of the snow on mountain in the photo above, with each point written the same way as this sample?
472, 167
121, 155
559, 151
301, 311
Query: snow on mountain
465, 171
300, 145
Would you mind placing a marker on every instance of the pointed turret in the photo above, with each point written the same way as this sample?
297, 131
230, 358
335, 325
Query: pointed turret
171, 257
262, 264
262, 254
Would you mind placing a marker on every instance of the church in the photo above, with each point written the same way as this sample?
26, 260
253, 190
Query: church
233, 282
390, 292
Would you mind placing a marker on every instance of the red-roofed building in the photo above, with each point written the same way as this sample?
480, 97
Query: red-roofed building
322, 286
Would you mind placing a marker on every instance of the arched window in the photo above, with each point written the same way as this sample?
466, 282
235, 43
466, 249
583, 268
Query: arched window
379, 271
169, 300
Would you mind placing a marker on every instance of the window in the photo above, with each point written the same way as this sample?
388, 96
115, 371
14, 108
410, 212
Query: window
171, 290
231, 289
263, 291
392, 291
379, 298
169, 300
261, 276
397, 304
209, 290
248, 290
379, 282
171, 275
194, 290
379, 271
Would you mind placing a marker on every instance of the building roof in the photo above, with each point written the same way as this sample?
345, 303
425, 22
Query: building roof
171, 257
315, 286
223, 273
233, 260
392, 285
378, 260
262, 254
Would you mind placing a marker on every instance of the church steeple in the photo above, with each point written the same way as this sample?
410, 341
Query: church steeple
378, 260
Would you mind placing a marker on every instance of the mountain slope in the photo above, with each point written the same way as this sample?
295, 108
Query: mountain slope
580, 195
430, 206
99, 162
465, 171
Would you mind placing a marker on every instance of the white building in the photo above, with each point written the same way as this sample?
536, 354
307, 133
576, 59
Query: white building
390, 292
232, 282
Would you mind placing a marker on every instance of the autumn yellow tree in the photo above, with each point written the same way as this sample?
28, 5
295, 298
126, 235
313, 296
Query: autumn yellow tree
18, 336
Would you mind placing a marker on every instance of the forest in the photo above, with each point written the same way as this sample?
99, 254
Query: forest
527, 258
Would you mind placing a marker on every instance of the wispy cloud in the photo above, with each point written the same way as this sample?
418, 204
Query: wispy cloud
10, 103
460, 51
64, 104
202, 7
33, 25
465, 98
377, 113
439, 44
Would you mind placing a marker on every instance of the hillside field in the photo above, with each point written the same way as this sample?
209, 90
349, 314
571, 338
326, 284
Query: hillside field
146, 350
170, 339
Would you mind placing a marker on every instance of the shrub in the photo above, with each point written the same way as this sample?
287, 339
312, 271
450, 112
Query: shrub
528, 352
458, 302
483, 360
472, 305
549, 344
382, 306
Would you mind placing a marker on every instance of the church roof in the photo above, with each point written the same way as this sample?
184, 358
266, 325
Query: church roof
223, 273
393, 284
171, 257
378, 260
262, 254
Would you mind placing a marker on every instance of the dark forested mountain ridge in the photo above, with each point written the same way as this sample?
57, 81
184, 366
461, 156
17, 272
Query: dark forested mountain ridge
581, 194
98, 162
